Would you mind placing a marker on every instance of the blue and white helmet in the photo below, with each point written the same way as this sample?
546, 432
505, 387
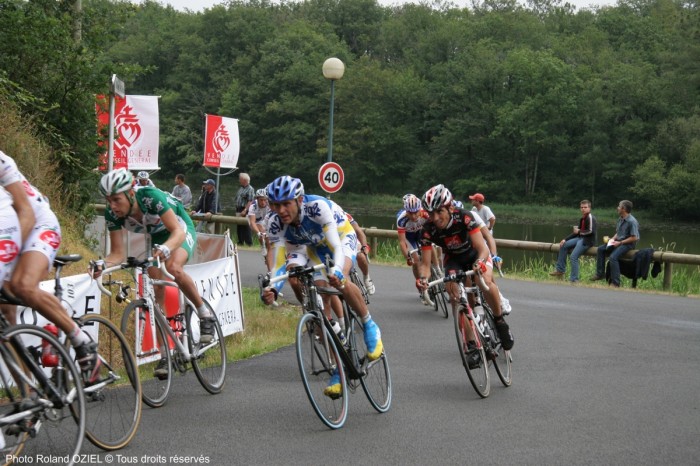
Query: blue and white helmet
457, 204
411, 203
285, 188
262, 192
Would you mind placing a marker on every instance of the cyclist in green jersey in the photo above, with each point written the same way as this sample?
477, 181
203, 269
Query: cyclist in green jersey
152, 212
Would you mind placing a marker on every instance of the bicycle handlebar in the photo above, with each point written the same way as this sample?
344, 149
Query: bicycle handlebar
459, 276
132, 263
266, 280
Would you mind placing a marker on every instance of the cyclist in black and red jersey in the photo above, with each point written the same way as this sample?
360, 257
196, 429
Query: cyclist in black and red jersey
459, 235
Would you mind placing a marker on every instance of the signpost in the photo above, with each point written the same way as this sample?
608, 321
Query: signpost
331, 177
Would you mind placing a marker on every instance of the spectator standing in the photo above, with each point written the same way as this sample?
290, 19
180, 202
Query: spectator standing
582, 237
207, 206
182, 191
483, 211
244, 198
625, 239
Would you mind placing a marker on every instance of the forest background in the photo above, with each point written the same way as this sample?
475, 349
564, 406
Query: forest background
535, 103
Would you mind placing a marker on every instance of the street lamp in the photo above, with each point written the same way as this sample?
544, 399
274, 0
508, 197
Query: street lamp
333, 70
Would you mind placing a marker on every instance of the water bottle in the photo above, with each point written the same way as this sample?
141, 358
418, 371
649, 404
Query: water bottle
49, 357
338, 331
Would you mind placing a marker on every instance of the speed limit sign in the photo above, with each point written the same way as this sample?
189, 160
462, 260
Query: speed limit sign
331, 177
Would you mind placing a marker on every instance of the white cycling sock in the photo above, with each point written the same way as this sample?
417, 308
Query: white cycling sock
203, 311
78, 337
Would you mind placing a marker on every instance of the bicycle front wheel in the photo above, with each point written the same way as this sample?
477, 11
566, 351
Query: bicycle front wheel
319, 362
114, 401
208, 359
473, 357
49, 410
155, 364
376, 381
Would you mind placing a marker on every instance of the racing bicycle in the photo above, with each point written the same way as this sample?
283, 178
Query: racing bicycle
149, 330
487, 349
321, 353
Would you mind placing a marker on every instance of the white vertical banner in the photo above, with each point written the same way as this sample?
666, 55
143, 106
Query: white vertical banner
222, 144
137, 132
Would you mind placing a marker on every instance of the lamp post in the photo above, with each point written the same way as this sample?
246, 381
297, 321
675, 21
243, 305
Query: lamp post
333, 70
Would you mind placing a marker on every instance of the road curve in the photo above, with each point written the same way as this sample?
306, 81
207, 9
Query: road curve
600, 376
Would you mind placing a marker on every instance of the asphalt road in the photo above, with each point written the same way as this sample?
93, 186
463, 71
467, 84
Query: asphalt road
601, 376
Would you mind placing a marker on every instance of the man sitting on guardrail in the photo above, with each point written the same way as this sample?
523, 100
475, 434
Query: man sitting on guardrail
625, 239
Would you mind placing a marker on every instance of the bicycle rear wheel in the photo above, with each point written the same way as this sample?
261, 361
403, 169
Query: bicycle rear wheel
319, 360
149, 351
479, 373
503, 360
44, 422
114, 401
208, 359
376, 381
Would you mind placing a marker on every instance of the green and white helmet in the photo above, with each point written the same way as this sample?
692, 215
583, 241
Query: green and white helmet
117, 181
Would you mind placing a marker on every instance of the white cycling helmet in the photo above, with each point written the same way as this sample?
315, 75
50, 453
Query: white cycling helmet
436, 197
262, 192
411, 203
116, 181
143, 175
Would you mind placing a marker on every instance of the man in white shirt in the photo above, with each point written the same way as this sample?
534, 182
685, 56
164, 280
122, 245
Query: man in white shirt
483, 211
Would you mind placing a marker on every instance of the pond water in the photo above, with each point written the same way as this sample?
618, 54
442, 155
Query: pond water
684, 242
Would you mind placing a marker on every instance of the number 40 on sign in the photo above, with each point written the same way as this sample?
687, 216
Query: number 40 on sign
331, 177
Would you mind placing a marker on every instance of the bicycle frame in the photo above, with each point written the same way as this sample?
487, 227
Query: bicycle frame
314, 306
464, 291
147, 293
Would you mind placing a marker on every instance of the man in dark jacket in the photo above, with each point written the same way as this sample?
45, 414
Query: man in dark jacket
207, 206
582, 237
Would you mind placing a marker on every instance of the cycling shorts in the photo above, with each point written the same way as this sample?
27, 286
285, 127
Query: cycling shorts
314, 255
455, 263
188, 244
45, 237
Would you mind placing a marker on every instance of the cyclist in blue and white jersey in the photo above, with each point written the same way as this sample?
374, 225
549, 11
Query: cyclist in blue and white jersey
257, 214
312, 228
409, 224
160, 215
38, 250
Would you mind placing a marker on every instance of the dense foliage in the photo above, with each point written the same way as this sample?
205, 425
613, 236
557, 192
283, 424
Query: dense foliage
538, 103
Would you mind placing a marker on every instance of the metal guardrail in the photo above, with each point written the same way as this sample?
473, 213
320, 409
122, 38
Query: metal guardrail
374, 234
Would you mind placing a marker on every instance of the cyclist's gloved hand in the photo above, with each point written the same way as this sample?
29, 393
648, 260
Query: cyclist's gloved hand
421, 284
480, 265
96, 267
336, 277
162, 251
409, 261
496, 258
365, 249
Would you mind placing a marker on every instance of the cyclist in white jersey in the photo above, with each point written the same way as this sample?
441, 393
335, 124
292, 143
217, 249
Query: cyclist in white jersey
257, 213
313, 227
38, 251
10, 235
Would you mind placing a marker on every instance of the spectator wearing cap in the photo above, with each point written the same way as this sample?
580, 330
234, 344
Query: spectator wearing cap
483, 211
182, 191
207, 205
244, 198
143, 179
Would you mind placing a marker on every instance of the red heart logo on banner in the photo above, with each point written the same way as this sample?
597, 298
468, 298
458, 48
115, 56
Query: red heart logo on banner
221, 139
129, 133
